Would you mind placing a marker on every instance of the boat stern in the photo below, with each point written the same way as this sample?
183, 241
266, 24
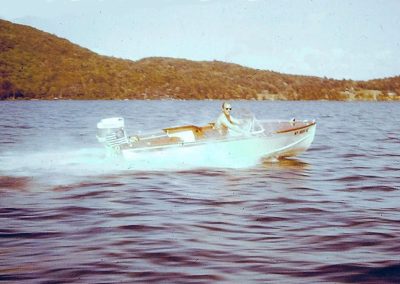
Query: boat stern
111, 133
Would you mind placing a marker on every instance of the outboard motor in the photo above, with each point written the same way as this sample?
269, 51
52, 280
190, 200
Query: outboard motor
111, 133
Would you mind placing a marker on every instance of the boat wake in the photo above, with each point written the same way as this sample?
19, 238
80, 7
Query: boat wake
56, 165
89, 161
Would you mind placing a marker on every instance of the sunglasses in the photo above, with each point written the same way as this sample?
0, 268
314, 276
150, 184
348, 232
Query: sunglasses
228, 108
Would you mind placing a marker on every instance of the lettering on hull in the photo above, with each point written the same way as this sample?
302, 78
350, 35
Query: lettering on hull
301, 131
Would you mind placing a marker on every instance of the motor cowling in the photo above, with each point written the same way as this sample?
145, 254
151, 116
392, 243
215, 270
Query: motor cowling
111, 133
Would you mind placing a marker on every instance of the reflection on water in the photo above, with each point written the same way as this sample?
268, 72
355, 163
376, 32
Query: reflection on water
14, 183
286, 164
70, 214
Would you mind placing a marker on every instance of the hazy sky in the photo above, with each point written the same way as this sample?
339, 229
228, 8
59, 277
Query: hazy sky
351, 39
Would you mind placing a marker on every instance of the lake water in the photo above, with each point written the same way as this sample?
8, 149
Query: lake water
70, 213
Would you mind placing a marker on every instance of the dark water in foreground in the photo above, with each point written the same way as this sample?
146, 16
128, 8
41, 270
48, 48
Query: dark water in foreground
69, 213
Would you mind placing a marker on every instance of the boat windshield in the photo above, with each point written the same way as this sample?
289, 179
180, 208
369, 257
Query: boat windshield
249, 123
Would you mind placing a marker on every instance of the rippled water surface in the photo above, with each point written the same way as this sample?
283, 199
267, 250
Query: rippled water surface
71, 214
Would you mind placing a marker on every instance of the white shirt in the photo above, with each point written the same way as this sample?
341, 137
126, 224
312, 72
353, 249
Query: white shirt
231, 124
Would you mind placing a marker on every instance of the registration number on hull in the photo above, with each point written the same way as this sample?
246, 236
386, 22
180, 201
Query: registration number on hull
301, 131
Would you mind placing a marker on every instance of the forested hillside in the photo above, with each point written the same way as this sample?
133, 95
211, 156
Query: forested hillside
38, 65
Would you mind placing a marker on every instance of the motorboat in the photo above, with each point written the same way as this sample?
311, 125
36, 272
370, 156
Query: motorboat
259, 140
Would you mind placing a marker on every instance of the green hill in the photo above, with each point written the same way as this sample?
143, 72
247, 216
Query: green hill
38, 65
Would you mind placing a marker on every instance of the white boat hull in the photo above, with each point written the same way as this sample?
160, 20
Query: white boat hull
234, 151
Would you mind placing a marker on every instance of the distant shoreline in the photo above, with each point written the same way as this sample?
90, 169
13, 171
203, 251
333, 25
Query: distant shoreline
38, 65
217, 100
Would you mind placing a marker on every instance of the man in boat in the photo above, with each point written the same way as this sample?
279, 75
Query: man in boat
226, 124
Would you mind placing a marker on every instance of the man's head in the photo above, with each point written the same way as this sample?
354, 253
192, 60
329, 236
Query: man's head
226, 108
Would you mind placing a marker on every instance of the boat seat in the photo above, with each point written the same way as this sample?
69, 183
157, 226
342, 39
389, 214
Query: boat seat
199, 132
208, 131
